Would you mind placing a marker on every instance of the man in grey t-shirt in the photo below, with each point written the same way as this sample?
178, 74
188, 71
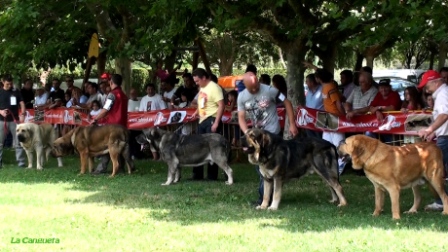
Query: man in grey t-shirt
260, 101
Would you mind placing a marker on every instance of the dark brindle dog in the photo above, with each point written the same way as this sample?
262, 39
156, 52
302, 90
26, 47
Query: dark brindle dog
178, 150
281, 160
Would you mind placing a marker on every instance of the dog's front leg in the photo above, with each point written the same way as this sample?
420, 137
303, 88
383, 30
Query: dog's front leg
267, 189
277, 194
394, 194
177, 175
171, 174
379, 200
417, 199
29, 154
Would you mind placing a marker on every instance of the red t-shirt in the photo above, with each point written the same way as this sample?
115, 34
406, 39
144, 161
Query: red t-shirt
392, 99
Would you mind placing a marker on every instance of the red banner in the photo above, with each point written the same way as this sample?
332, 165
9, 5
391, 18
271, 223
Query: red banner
393, 122
58, 116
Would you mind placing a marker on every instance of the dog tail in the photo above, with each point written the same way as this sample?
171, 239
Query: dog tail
333, 159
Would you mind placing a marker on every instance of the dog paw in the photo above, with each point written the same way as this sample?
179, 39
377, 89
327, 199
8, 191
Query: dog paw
411, 211
111, 176
40, 168
376, 213
229, 183
260, 207
342, 204
444, 213
271, 208
332, 201
165, 184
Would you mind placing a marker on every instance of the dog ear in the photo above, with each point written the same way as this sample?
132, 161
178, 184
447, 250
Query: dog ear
357, 151
30, 133
265, 140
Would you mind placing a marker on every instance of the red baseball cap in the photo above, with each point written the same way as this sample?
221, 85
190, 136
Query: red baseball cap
428, 76
106, 76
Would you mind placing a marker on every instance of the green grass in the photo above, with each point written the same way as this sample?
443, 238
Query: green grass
135, 213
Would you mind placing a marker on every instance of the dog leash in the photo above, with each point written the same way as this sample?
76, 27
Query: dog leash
5, 124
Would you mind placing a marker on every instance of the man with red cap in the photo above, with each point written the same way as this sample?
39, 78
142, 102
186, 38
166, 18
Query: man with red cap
435, 85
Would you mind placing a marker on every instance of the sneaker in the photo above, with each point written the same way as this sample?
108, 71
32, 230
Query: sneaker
434, 207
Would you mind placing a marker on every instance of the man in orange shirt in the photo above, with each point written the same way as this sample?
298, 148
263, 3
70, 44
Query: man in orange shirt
332, 104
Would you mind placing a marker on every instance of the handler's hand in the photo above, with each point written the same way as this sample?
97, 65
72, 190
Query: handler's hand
293, 130
350, 115
425, 134
214, 127
4, 112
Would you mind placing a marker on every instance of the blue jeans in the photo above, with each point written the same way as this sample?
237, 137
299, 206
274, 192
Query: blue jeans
385, 138
442, 143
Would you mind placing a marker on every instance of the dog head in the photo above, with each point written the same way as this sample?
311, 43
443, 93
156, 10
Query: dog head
257, 144
359, 148
64, 145
25, 132
151, 137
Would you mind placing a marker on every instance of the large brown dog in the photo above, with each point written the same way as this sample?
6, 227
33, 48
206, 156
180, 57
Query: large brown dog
91, 141
392, 168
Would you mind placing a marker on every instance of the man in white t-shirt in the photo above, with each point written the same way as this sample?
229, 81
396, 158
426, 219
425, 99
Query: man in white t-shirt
134, 102
169, 90
151, 101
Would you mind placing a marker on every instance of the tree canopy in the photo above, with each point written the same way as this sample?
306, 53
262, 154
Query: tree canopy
339, 33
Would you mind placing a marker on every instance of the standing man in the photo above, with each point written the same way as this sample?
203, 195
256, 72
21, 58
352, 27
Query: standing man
260, 102
210, 110
28, 93
114, 111
435, 85
10, 101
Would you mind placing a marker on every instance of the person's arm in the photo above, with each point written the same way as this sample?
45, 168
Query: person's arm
219, 113
23, 113
110, 100
348, 105
340, 107
242, 121
290, 112
162, 103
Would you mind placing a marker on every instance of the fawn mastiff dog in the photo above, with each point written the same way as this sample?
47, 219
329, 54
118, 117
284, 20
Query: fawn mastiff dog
392, 168
93, 140
37, 137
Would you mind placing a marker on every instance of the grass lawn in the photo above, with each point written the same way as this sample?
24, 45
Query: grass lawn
135, 213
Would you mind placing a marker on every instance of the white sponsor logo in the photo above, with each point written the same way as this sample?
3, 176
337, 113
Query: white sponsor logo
303, 118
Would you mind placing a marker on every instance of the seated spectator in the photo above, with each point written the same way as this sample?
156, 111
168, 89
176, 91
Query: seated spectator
358, 103
232, 97
412, 100
96, 108
57, 95
169, 89
41, 98
429, 102
77, 98
133, 103
265, 79
385, 100
279, 82
94, 95
347, 85
151, 101
313, 100
188, 88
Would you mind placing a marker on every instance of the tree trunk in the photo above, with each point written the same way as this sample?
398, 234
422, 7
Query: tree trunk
226, 67
101, 63
359, 60
369, 60
328, 58
431, 60
170, 61
280, 55
123, 67
443, 50
295, 55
